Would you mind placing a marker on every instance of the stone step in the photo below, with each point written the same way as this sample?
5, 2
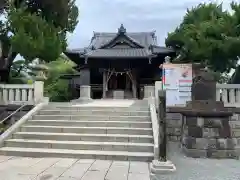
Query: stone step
91, 117
108, 112
84, 137
81, 154
134, 124
78, 108
80, 145
90, 130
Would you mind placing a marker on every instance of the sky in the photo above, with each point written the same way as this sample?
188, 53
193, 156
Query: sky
163, 16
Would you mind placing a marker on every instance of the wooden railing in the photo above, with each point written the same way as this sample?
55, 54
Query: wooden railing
21, 93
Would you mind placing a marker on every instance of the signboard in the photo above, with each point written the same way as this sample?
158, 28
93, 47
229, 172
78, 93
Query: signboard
177, 81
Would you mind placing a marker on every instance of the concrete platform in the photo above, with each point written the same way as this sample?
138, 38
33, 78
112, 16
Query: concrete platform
15, 168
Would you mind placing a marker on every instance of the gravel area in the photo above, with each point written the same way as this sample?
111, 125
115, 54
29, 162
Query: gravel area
201, 169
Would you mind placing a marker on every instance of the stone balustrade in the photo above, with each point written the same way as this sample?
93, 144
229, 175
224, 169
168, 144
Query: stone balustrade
229, 94
21, 93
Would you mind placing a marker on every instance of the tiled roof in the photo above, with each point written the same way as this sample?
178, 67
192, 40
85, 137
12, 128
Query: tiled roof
119, 52
145, 39
160, 49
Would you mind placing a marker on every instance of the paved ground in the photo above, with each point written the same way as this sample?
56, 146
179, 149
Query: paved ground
15, 168
201, 169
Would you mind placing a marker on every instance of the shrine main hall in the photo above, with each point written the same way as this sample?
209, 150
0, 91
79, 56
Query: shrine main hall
118, 65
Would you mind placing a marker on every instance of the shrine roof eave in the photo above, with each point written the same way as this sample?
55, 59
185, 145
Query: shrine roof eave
117, 57
80, 58
69, 76
161, 50
75, 57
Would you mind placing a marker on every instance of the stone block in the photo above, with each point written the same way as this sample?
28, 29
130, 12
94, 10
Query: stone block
200, 121
191, 121
174, 131
185, 130
223, 144
222, 154
234, 124
237, 140
174, 138
210, 132
189, 142
212, 122
201, 143
169, 130
212, 144
174, 123
235, 117
177, 131
195, 131
235, 133
194, 153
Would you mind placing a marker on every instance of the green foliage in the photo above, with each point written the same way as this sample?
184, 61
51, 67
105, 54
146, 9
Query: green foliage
208, 35
55, 88
18, 72
35, 29
34, 37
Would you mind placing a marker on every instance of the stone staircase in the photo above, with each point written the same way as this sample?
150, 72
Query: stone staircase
63, 130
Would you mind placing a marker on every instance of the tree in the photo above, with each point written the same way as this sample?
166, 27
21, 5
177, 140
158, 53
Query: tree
34, 29
208, 35
55, 88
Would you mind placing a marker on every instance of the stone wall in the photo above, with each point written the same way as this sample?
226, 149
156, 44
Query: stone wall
235, 130
174, 126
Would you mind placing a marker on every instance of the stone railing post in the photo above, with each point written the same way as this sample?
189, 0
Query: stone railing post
161, 165
149, 91
38, 91
162, 126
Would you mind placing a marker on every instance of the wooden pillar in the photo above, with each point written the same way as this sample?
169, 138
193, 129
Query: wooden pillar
105, 84
134, 84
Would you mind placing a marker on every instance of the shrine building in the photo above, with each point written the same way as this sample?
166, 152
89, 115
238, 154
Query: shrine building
118, 65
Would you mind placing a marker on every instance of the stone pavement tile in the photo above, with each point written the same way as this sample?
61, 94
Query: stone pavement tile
39, 167
65, 162
21, 162
94, 175
76, 171
120, 163
87, 161
13, 175
117, 172
5, 158
139, 167
51, 174
100, 165
134, 176
66, 178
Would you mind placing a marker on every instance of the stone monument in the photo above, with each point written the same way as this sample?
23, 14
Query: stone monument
206, 130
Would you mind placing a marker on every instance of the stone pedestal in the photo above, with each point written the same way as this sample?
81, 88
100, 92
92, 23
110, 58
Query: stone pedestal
159, 168
208, 137
118, 94
85, 94
149, 91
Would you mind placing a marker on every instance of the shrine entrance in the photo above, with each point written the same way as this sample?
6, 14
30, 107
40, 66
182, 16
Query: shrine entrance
119, 84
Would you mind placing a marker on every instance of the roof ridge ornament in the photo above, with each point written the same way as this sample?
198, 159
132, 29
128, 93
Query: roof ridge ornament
122, 29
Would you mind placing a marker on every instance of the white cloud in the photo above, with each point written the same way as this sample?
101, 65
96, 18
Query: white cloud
137, 15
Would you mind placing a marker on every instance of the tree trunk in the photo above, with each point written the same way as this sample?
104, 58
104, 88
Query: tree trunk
5, 66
